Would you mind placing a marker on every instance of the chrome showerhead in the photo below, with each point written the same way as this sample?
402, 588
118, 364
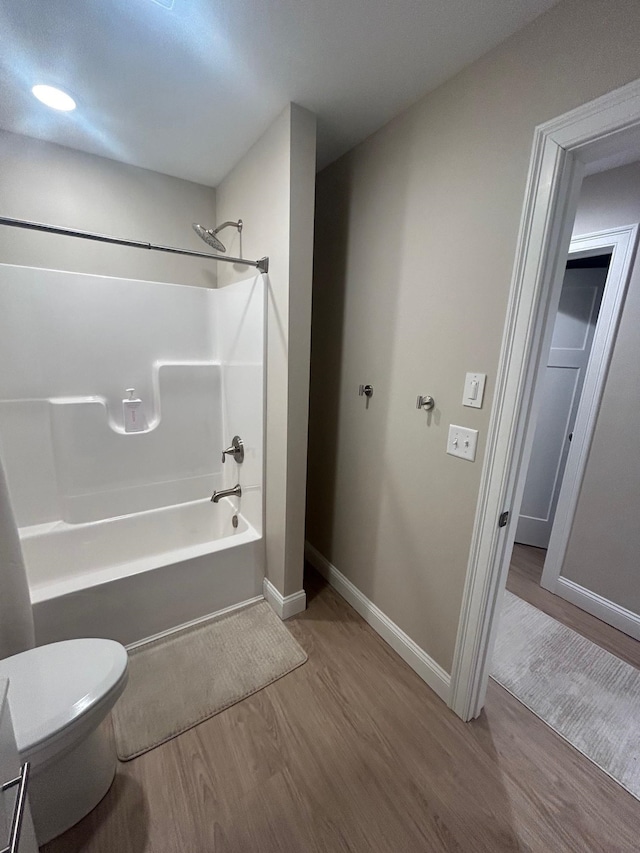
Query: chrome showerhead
209, 234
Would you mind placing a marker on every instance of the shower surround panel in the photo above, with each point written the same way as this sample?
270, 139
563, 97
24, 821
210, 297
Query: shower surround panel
83, 489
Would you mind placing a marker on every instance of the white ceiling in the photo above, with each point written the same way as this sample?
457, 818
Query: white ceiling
186, 90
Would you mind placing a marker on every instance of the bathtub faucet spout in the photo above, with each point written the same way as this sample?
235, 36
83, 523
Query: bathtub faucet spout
226, 493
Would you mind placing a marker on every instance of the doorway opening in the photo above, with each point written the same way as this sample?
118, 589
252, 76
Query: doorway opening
600, 135
562, 382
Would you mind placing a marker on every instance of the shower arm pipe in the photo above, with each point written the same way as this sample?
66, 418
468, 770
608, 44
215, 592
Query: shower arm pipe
261, 265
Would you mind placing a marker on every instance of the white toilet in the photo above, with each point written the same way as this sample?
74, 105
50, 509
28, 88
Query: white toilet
60, 696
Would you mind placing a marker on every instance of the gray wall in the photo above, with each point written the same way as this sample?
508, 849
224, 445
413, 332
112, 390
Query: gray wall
415, 241
272, 190
604, 547
49, 183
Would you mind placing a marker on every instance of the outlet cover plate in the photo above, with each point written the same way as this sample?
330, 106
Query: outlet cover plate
462, 442
474, 390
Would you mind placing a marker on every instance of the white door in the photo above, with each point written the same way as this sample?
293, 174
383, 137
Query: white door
573, 333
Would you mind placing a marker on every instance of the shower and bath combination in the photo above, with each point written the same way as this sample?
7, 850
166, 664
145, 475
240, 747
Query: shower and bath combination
123, 504
209, 234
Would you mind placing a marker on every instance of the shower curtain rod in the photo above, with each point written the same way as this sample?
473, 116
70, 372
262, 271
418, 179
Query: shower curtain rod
262, 265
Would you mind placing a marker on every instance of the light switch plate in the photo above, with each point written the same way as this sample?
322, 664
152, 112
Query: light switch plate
474, 390
462, 442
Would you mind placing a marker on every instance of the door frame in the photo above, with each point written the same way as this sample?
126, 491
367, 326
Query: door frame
562, 149
622, 242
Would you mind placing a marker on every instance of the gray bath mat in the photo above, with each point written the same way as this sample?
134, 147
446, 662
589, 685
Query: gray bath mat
179, 681
590, 697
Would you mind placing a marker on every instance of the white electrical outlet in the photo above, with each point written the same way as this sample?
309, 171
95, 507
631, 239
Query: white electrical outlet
462, 442
474, 390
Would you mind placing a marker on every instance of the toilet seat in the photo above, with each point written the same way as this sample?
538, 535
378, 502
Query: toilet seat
57, 691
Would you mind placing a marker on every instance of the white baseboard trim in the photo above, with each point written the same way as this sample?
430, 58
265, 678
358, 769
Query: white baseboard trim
193, 622
430, 671
610, 612
284, 605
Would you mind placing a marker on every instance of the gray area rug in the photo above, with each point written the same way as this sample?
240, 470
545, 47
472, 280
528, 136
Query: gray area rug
590, 697
181, 680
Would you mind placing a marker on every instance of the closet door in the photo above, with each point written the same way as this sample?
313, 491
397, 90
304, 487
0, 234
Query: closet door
573, 333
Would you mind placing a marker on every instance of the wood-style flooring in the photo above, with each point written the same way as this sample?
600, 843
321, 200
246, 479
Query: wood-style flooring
523, 580
353, 752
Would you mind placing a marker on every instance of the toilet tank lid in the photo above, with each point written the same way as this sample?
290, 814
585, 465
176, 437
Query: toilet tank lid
52, 686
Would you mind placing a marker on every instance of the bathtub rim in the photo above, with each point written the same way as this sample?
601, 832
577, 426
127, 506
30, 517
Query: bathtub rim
48, 589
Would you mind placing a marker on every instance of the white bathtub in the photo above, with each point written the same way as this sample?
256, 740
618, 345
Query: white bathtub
134, 576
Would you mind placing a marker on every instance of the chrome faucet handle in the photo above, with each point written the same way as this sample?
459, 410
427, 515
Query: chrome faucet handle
236, 450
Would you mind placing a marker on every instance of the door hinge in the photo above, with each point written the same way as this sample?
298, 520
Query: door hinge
504, 518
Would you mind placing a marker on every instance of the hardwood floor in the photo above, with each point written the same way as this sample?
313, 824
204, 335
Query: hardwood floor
353, 752
523, 580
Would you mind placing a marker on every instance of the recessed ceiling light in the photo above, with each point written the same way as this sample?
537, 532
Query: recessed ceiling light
54, 98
